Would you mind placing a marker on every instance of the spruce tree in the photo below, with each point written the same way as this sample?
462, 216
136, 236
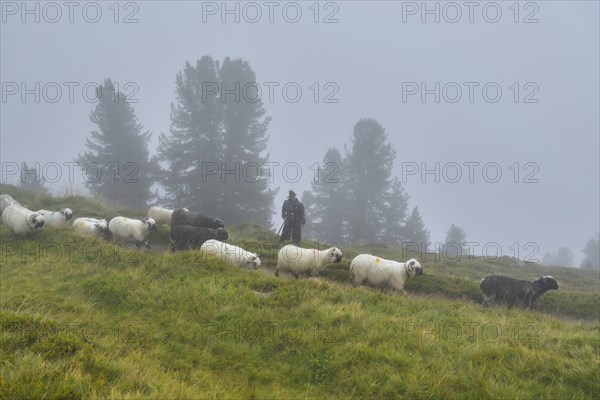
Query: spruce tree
116, 165
592, 254
325, 203
414, 230
455, 242
548, 259
194, 150
369, 165
394, 213
364, 203
32, 181
564, 257
212, 161
246, 194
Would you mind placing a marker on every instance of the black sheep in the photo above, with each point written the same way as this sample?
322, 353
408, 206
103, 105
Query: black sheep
192, 237
184, 217
497, 289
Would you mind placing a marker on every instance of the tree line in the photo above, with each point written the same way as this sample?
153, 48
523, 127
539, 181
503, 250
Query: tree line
355, 198
212, 132
363, 203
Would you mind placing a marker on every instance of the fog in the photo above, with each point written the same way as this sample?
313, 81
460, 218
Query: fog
493, 110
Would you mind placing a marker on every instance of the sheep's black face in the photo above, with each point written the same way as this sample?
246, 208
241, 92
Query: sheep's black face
414, 267
68, 213
103, 228
222, 234
150, 222
254, 261
38, 221
550, 283
335, 255
219, 223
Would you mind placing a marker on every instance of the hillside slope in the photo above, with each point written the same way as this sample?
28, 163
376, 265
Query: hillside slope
82, 318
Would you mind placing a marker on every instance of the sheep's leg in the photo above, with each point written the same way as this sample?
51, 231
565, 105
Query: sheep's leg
484, 302
487, 301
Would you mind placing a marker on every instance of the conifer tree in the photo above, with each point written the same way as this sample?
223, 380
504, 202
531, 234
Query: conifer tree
116, 164
325, 203
414, 230
369, 167
455, 242
592, 254
31, 180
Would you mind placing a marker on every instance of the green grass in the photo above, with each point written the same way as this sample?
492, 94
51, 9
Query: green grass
83, 318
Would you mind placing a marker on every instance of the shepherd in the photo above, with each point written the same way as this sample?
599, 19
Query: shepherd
293, 214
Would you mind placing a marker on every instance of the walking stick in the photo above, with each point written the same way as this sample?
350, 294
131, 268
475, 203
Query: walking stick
279, 231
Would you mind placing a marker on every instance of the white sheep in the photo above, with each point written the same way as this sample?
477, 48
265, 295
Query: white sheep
7, 200
91, 226
57, 219
22, 221
231, 254
126, 229
305, 261
161, 215
383, 273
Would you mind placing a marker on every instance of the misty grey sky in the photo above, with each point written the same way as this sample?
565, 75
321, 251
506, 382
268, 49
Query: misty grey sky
372, 56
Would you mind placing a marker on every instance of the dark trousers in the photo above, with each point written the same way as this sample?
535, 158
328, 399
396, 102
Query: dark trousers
294, 228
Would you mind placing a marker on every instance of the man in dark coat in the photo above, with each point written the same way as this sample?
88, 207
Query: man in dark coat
293, 214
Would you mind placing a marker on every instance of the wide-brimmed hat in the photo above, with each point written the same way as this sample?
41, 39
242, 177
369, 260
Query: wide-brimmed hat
291, 194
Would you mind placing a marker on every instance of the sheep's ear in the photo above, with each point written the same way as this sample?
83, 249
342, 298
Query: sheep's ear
411, 264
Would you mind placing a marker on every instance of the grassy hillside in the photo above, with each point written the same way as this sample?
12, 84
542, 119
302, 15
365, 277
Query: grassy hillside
83, 318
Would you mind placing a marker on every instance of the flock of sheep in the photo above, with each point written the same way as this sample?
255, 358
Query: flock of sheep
191, 230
